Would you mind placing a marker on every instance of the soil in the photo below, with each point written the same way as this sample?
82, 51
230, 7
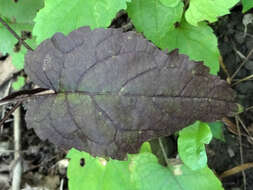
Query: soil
225, 155
41, 159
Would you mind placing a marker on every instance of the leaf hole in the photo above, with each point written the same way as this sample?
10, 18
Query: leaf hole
177, 24
82, 162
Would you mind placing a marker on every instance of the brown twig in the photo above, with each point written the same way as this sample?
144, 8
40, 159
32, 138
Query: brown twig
243, 125
225, 69
7, 91
241, 150
163, 151
244, 79
25, 96
10, 112
236, 170
244, 61
248, 108
15, 34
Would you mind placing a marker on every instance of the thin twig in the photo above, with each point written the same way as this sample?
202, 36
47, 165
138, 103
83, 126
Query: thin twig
15, 34
18, 99
244, 127
239, 53
10, 112
224, 69
242, 80
239, 31
62, 184
244, 61
12, 151
248, 108
7, 91
241, 150
236, 170
163, 151
24, 97
17, 170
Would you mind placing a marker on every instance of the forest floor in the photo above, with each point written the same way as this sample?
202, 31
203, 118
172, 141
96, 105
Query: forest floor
236, 48
44, 164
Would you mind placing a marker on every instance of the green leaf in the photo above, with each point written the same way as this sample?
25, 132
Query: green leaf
191, 145
65, 16
18, 58
19, 16
149, 175
19, 83
170, 3
210, 10
153, 18
145, 147
97, 173
157, 22
217, 130
21, 12
141, 172
7, 40
247, 4
199, 43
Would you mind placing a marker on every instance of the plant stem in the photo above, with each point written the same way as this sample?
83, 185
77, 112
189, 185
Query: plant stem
163, 151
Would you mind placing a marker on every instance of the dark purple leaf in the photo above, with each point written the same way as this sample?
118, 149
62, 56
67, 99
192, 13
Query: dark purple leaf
116, 90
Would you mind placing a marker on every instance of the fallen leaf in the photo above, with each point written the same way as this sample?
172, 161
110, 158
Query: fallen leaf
115, 90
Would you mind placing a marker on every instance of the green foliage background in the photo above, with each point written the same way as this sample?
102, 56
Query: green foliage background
155, 18
247, 5
140, 172
169, 24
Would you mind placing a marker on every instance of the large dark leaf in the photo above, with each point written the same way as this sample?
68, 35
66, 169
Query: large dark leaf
116, 90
